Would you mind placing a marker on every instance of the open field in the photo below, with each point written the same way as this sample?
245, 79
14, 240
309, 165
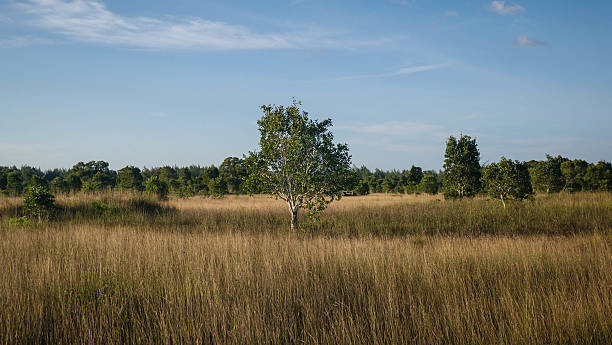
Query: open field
372, 215
377, 270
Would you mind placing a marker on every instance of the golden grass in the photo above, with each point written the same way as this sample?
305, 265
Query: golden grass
264, 202
91, 285
373, 215
115, 269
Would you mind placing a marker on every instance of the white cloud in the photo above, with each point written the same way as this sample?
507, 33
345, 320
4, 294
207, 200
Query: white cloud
523, 40
401, 71
500, 7
90, 21
450, 14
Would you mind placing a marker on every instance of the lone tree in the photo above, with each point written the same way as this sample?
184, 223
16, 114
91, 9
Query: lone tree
507, 179
461, 167
298, 161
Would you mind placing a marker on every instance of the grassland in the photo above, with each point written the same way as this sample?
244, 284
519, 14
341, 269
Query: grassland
117, 269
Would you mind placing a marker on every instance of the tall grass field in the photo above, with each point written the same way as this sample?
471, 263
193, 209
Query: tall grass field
379, 269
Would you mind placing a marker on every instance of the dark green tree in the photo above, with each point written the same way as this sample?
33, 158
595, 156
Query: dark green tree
38, 203
74, 182
98, 182
93, 176
507, 179
233, 173
14, 184
429, 184
461, 167
184, 176
169, 176
130, 178
416, 174
598, 177
185, 184
547, 176
37, 180
363, 188
298, 161
157, 187
32, 177
217, 187
59, 186
574, 172
4, 171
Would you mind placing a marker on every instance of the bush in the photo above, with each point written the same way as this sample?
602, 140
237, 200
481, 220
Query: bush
19, 221
157, 187
39, 203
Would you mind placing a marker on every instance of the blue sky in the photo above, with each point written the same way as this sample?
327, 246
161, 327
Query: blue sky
180, 82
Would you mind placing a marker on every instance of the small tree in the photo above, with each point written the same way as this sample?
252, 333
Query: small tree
598, 177
14, 183
217, 187
38, 202
130, 178
157, 187
429, 184
59, 185
232, 171
461, 167
573, 173
416, 174
298, 161
507, 179
547, 176
362, 188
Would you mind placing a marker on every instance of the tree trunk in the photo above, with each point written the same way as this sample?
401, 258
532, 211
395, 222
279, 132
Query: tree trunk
502, 200
294, 219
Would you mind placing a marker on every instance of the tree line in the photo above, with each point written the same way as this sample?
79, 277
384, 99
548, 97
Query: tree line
96, 176
552, 175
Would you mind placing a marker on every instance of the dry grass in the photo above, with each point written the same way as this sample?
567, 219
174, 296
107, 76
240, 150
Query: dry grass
265, 203
374, 215
118, 270
113, 286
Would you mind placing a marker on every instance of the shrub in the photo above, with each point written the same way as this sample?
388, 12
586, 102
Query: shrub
38, 202
157, 187
19, 221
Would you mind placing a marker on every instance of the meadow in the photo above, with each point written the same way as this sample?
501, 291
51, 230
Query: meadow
379, 269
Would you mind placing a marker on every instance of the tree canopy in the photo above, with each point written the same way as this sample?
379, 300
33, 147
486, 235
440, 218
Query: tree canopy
298, 161
507, 179
461, 167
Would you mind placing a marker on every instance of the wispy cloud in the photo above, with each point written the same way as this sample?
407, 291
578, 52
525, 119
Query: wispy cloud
5, 19
397, 136
403, 2
523, 40
401, 71
500, 7
90, 21
471, 116
413, 148
22, 41
395, 128
450, 14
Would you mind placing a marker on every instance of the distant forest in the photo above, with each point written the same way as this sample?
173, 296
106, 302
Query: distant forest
555, 174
